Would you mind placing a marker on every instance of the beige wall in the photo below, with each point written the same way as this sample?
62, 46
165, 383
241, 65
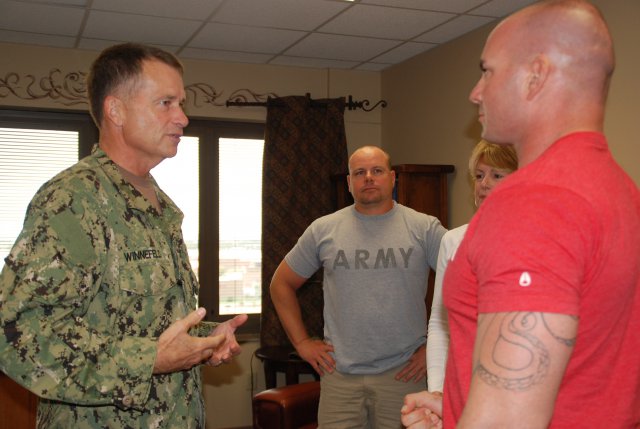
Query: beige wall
223, 79
430, 120
228, 389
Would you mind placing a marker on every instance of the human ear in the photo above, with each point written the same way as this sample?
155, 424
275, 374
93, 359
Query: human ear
539, 70
114, 110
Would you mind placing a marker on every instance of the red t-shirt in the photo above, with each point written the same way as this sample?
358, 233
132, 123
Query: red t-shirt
561, 235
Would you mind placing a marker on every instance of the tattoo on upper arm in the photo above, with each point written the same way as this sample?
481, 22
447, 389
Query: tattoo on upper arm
514, 355
556, 332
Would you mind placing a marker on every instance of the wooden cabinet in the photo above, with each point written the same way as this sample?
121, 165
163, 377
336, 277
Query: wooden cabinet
423, 187
17, 405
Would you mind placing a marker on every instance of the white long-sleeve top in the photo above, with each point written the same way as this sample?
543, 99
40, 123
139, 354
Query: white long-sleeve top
438, 328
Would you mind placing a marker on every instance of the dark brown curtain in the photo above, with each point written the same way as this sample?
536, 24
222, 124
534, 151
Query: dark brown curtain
305, 144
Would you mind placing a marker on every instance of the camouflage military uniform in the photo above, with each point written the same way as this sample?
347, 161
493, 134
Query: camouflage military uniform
94, 278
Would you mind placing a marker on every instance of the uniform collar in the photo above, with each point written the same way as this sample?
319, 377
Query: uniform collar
131, 195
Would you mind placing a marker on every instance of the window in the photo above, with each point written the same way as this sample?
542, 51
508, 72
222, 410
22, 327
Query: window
28, 158
178, 177
240, 225
34, 146
218, 187
230, 218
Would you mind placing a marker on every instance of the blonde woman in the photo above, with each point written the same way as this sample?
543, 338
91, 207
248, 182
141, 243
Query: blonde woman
488, 165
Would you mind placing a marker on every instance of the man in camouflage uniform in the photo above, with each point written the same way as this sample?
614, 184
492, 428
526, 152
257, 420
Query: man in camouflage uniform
97, 298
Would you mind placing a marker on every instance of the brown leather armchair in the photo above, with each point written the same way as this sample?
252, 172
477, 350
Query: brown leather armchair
287, 407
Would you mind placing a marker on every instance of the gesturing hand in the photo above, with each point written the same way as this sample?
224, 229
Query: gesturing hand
230, 347
177, 350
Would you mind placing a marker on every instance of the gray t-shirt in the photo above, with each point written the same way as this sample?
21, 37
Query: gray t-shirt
375, 281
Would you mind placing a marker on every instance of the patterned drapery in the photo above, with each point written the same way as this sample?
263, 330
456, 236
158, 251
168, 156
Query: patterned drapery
305, 144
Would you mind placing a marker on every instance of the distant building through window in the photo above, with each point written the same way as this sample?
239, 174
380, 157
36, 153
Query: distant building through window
240, 225
239, 215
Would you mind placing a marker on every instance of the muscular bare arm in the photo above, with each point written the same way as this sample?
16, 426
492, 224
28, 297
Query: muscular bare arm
283, 288
519, 360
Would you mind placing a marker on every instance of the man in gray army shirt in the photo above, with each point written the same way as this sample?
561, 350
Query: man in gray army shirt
97, 298
376, 256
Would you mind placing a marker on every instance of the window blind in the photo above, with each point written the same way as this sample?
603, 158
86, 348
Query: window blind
28, 158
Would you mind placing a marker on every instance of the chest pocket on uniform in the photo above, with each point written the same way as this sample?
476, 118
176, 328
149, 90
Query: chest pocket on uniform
147, 272
150, 296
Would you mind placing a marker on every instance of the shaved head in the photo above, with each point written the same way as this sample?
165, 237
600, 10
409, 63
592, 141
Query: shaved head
572, 33
546, 72
370, 150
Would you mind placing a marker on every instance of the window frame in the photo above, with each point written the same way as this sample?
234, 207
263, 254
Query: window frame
208, 131
54, 120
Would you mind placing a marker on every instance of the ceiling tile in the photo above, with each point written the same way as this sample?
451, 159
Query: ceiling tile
69, 2
288, 14
500, 8
454, 6
312, 62
453, 29
384, 22
96, 44
372, 67
248, 39
236, 57
366, 34
37, 39
403, 52
139, 28
188, 9
38, 18
347, 48
100, 44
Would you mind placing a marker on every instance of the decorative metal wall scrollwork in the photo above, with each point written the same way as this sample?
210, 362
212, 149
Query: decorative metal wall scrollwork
248, 95
364, 104
71, 89
203, 91
209, 95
